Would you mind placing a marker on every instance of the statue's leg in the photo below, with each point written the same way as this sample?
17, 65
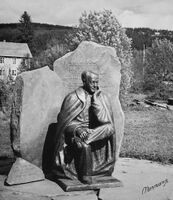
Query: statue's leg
85, 164
99, 133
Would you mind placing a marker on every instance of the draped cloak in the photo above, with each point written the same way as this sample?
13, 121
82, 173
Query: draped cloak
102, 150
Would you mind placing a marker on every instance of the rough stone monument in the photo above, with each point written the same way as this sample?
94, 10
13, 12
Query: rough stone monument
37, 98
103, 62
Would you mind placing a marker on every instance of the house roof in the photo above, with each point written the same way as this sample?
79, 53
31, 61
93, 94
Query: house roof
11, 49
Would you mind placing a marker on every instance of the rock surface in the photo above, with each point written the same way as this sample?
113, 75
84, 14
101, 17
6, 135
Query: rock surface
24, 172
37, 100
102, 60
42, 190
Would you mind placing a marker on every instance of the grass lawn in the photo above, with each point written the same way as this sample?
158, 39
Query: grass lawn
148, 135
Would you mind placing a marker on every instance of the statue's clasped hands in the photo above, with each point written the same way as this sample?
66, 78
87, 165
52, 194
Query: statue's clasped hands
82, 134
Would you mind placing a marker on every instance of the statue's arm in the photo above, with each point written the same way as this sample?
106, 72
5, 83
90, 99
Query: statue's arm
100, 109
100, 133
76, 130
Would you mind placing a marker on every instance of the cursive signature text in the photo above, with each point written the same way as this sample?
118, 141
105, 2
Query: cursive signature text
150, 188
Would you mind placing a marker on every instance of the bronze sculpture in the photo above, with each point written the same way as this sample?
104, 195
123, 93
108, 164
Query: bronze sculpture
85, 137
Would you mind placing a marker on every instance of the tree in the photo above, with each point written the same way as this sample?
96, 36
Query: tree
159, 65
103, 28
46, 58
25, 28
3, 93
138, 68
24, 65
6, 88
47, 48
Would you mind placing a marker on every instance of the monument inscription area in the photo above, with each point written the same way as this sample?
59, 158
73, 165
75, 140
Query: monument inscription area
71, 76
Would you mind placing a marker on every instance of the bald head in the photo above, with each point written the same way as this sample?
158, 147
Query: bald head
86, 74
90, 81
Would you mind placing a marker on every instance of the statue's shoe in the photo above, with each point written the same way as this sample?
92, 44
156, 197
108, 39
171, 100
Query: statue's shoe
86, 179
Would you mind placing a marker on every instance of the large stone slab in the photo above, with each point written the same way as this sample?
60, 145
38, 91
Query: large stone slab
37, 98
102, 60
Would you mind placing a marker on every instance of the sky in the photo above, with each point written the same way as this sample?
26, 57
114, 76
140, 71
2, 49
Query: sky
156, 14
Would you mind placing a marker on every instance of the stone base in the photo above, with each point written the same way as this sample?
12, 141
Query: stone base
101, 182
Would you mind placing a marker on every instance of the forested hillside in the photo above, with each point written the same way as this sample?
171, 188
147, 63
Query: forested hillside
43, 34
11, 32
141, 37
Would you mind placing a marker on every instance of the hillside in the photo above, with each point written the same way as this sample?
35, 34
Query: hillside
11, 33
140, 36
143, 37
7, 30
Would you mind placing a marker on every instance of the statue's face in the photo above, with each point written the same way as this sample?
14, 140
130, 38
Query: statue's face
92, 83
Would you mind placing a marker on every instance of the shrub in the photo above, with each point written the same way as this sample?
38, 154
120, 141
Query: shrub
159, 67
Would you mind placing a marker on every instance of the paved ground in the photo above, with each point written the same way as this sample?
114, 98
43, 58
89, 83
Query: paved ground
143, 180
137, 174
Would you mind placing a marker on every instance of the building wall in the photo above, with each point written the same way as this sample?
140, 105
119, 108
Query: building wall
9, 66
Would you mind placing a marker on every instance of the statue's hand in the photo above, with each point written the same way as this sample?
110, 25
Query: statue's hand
81, 133
77, 141
95, 95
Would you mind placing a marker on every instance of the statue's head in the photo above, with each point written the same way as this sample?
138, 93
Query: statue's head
90, 81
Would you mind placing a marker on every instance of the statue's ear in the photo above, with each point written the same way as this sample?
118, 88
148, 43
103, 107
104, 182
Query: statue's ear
84, 82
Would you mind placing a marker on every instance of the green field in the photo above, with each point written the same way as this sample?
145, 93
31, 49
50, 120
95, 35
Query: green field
149, 135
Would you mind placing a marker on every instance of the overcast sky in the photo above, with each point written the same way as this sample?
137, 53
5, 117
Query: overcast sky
157, 14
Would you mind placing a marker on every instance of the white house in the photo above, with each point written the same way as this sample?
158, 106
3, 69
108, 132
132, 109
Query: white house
12, 55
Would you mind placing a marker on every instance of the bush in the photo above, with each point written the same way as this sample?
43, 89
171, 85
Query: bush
159, 67
6, 89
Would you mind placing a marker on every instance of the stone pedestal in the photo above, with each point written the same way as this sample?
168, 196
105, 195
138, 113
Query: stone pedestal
102, 182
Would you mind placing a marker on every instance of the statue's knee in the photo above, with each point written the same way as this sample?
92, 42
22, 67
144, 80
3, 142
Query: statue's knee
79, 144
86, 146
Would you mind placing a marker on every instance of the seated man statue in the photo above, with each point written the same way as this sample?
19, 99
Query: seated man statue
85, 137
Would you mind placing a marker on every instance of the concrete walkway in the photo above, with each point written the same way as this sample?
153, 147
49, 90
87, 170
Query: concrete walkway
143, 180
